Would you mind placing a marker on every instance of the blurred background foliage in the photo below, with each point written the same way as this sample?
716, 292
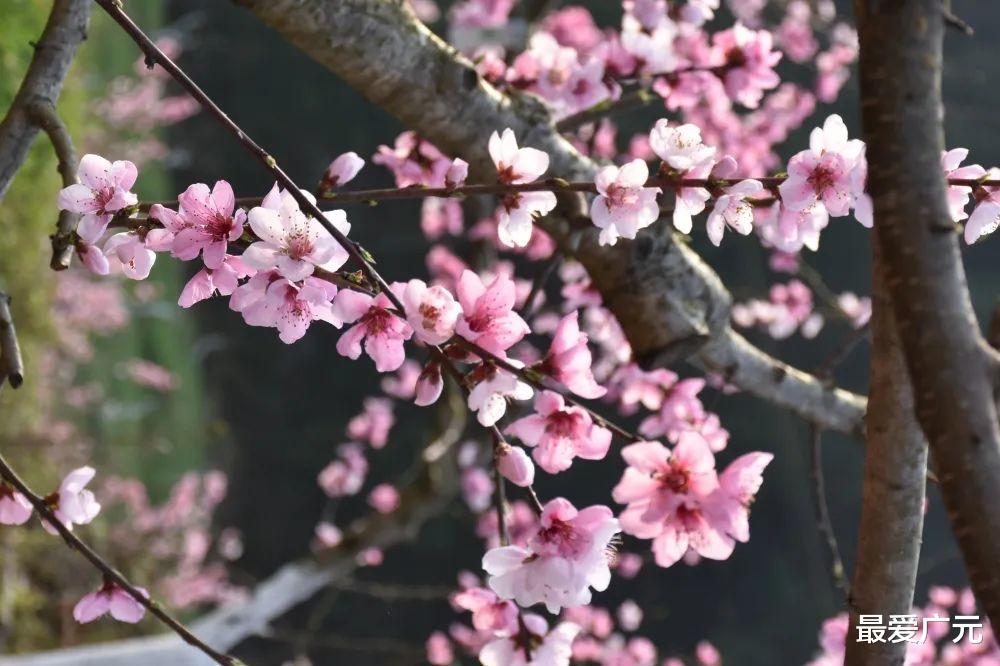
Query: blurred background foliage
271, 415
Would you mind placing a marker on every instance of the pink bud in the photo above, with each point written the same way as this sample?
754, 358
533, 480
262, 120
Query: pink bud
439, 651
370, 557
92, 258
515, 465
429, 385
328, 535
384, 498
457, 173
15, 509
342, 170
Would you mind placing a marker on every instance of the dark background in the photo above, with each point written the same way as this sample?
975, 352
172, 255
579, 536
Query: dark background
284, 408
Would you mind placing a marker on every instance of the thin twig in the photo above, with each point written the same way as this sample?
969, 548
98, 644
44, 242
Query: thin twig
11, 363
109, 572
555, 184
539, 382
635, 99
45, 116
823, 511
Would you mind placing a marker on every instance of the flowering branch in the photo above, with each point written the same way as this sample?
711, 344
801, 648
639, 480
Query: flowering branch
110, 573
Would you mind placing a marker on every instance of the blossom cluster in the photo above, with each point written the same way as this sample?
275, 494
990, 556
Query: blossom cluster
282, 267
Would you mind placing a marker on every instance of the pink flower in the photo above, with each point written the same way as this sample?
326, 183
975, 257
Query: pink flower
128, 248
383, 332
477, 488
212, 223
384, 498
830, 174
629, 615
15, 509
73, 503
733, 210
104, 189
291, 308
328, 535
958, 195
431, 311
680, 147
370, 557
488, 317
482, 13
440, 216
92, 258
490, 613
515, 466
110, 599
488, 398
403, 384
224, 279
565, 558
518, 209
635, 386
738, 486
789, 230
560, 433
291, 241
345, 475
569, 359
456, 174
985, 217
624, 205
341, 171
413, 161
430, 384
858, 309
749, 60
373, 424
676, 498
549, 648
439, 651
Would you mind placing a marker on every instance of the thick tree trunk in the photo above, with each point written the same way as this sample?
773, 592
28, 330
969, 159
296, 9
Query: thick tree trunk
952, 369
892, 510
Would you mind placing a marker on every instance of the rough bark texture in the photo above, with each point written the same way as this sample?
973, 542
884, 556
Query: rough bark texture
65, 29
952, 369
892, 509
670, 303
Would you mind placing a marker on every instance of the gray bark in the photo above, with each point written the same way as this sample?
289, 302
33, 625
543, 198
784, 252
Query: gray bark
892, 508
952, 369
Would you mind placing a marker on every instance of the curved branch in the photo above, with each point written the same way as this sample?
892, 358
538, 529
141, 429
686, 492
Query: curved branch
65, 29
954, 372
46, 118
669, 302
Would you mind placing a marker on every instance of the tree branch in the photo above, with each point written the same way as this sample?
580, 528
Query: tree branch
109, 572
670, 304
954, 372
54, 51
892, 505
45, 117
11, 363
